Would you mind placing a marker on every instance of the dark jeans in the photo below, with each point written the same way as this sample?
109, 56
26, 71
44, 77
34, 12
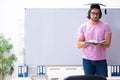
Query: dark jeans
95, 67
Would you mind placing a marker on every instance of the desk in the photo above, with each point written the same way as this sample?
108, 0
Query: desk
109, 78
113, 78
28, 78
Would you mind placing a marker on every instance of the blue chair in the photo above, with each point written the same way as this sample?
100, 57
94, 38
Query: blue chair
85, 77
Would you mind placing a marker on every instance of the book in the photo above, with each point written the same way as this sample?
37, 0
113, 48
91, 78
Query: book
94, 42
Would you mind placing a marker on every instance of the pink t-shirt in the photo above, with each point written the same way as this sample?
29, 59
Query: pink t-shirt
94, 33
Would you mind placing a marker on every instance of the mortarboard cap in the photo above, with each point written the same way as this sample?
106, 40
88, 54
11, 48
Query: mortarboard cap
97, 5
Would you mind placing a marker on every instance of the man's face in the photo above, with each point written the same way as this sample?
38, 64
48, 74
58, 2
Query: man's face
94, 14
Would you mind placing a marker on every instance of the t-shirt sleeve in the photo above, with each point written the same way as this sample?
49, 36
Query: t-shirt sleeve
81, 30
107, 29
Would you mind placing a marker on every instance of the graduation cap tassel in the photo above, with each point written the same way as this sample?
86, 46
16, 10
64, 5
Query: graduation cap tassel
105, 11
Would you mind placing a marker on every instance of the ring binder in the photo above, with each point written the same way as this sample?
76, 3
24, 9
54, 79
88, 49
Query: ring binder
20, 74
25, 71
115, 70
41, 70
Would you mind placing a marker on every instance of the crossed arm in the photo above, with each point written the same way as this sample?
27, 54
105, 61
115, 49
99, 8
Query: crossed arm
81, 41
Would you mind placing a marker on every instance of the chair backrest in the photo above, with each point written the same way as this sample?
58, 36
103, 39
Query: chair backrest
85, 77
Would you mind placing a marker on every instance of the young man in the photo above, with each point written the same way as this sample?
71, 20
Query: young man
94, 55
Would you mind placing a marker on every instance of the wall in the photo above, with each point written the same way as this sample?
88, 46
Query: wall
12, 18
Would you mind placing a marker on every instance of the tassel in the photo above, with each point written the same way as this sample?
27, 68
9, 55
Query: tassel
105, 11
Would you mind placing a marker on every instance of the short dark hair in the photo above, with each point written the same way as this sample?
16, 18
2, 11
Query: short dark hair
90, 12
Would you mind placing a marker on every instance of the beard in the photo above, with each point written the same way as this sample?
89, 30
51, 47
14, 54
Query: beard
95, 19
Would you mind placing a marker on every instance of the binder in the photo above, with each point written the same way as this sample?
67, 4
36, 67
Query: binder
20, 74
115, 70
118, 70
25, 69
41, 70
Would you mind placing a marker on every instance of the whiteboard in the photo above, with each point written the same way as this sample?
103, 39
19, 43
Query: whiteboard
51, 35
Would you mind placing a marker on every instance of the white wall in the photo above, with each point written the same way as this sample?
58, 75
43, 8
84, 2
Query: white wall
12, 18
